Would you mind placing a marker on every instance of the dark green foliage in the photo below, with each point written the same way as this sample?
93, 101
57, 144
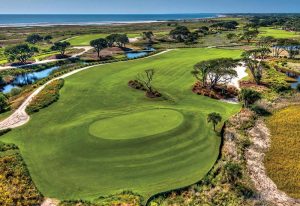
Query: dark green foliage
98, 45
46, 97
298, 88
117, 39
233, 172
260, 110
61, 47
180, 33
213, 72
249, 96
5, 147
226, 25
214, 118
244, 191
3, 103
34, 38
48, 38
21, 52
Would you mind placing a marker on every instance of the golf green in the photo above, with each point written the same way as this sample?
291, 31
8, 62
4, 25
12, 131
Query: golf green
102, 137
129, 126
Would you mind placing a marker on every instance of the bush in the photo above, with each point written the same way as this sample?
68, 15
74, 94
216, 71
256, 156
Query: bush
46, 97
16, 186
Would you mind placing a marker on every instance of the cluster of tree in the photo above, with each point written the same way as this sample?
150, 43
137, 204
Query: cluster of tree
224, 25
215, 72
21, 52
287, 22
119, 40
183, 34
35, 38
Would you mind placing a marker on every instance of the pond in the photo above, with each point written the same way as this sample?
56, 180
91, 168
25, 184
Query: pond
138, 54
28, 78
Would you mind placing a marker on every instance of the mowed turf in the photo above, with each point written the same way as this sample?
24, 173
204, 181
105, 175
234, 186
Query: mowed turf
84, 40
134, 125
277, 33
68, 161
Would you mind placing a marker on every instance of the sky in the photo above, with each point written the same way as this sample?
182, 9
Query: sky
147, 6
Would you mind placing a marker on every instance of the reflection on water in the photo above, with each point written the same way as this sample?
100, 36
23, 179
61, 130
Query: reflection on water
29, 78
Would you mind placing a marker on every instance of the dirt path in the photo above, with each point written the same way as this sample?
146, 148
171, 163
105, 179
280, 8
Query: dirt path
260, 137
20, 117
86, 49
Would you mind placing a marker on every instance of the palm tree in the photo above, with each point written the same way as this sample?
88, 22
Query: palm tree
214, 118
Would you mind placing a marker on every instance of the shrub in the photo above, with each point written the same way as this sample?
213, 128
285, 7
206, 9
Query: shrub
16, 186
46, 97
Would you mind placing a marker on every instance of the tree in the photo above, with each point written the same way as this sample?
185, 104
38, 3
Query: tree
61, 47
3, 103
21, 52
146, 79
214, 118
249, 96
217, 71
122, 40
148, 35
225, 25
34, 38
48, 38
111, 39
98, 45
249, 35
254, 65
203, 29
191, 38
180, 33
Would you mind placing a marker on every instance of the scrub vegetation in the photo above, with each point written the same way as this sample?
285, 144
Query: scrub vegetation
282, 158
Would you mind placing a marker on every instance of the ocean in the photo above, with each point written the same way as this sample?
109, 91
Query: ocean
91, 19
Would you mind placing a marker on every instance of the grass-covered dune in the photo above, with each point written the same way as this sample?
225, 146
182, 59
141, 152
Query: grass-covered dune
282, 160
103, 137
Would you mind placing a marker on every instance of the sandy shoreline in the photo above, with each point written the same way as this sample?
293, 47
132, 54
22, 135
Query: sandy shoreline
99, 23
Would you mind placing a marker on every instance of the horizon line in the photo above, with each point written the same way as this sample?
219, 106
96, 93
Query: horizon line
149, 13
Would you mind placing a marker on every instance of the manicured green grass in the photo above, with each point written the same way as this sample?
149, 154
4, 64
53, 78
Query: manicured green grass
67, 162
282, 160
84, 40
148, 123
277, 33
